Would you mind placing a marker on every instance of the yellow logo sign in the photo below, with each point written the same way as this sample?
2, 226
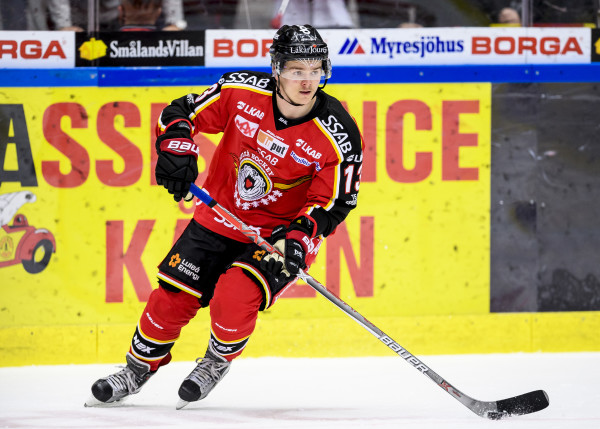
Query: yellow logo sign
175, 259
92, 49
597, 45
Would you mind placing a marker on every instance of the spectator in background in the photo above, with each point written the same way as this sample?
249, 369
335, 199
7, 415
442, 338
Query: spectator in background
564, 11
37, 15
72, 15
319, 13
65, 15
508, 16
203, 14
543, 12
58, 12
413, 16
108, 18
173, 17
12, 16
394, 13
139, 15
500, 11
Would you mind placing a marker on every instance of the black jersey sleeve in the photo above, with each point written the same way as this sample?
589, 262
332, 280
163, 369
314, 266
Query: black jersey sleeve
342, 178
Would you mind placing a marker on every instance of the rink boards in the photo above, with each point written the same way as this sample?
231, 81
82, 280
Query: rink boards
440, 253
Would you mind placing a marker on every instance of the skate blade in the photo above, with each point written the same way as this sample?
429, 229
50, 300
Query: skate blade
181, 404
93, 402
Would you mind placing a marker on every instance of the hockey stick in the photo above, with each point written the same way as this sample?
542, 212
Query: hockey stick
515, 406
276, 21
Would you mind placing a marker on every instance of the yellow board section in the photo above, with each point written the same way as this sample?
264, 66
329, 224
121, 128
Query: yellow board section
413, 255
325, 336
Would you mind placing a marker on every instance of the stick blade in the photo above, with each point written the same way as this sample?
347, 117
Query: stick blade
526, 403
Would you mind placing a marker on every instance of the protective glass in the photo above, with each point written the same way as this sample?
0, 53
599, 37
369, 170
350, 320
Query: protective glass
303, 69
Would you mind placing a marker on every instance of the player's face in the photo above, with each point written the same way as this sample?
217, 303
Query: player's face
299, 80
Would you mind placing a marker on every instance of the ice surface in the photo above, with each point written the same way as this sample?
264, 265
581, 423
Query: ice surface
383, 392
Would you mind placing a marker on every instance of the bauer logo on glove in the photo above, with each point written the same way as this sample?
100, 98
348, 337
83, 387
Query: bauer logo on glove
181, 147
177, 166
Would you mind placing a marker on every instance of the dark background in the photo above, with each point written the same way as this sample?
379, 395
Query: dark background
595, 45
545, 197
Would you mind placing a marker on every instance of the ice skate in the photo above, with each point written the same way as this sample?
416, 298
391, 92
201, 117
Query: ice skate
196, 386
118, 386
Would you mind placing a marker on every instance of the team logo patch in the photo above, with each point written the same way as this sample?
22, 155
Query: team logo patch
254, 186
252, 182
246, 127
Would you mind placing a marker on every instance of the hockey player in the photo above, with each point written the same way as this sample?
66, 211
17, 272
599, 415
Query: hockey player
288, 164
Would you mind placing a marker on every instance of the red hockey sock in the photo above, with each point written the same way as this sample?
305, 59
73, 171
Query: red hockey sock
160, 325
233, 313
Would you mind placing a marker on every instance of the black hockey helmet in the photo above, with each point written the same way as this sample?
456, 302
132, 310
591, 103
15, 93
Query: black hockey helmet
297, 43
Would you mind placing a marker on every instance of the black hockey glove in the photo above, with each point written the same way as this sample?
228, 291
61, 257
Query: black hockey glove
177, 164
293, 243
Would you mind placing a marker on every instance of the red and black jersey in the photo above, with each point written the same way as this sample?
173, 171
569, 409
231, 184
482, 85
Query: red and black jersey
267, 169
